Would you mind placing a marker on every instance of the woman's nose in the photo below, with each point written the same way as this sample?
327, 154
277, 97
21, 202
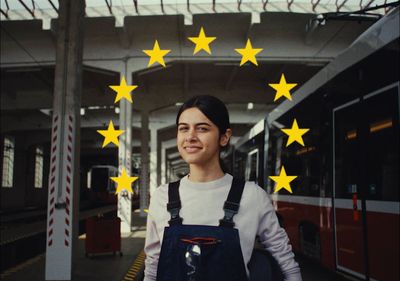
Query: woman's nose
191, 135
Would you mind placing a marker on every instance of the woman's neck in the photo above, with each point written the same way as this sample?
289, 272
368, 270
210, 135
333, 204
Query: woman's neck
205, 173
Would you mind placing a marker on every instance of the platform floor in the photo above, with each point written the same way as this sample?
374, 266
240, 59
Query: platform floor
108, 267
105, 267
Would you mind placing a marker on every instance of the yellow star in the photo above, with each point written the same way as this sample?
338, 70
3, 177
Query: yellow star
111, 135
248, 53
123, 90
202, 42
295, 133
283, 88
156, 55
124, 182
283, 181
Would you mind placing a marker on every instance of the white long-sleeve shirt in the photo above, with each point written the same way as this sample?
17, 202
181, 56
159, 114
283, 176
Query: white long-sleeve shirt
202, 204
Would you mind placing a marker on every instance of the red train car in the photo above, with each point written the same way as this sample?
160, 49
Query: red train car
344, 209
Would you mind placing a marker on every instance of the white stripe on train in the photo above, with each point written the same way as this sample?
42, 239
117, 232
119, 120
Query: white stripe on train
389, 207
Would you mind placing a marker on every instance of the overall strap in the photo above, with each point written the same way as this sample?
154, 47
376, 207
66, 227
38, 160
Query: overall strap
231, 205
174, 203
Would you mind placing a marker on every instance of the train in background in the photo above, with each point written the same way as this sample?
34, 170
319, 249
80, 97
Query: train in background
101, 189
344, 209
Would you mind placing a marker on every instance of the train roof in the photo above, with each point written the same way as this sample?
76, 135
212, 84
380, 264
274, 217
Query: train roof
383, 32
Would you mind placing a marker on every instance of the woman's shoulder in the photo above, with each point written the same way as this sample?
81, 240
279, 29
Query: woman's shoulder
254, 193
160, 194
253, 187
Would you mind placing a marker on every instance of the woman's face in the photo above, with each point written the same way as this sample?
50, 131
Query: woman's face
198, 138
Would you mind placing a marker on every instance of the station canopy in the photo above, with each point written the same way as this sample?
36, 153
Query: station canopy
46, 10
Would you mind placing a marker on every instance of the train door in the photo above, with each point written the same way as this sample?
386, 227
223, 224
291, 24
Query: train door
365, 179
349, 236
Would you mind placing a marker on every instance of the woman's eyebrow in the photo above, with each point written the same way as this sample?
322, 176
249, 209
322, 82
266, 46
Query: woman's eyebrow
203, 123
197, 124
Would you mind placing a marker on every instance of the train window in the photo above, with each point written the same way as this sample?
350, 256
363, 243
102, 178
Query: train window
252, 166
346, 152
274, 158
301, 161
8, 162
239, 167
382, 146
367, 148
100, 178
39, 167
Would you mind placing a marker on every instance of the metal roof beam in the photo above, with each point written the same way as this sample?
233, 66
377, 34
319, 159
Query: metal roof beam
136, 6
32, 12
54, 6
4, 13
109, 6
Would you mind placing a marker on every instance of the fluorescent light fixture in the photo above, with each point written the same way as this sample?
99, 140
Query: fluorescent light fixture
179, 103
250, 106
46, 111
94, 107
82, 111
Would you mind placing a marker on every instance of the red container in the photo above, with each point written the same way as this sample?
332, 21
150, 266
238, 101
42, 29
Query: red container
103, 235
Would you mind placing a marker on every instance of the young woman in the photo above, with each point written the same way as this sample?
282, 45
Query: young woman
204, 226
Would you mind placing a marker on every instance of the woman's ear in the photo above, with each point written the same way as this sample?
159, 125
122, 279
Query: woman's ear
224, 139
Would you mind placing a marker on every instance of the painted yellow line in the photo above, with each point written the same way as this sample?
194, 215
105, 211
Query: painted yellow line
135, 268
21, 266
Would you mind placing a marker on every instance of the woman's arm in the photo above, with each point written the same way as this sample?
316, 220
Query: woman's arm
276, 241
152, 247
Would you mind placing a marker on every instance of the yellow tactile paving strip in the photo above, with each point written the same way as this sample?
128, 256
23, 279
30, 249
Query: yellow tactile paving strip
21, 266
135, 268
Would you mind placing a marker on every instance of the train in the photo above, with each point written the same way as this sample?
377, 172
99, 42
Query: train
344, 208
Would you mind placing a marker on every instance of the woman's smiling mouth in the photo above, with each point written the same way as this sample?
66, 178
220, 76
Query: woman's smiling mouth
192, 149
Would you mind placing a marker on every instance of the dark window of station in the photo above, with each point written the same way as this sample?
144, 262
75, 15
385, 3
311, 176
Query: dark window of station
8, 162
38, 182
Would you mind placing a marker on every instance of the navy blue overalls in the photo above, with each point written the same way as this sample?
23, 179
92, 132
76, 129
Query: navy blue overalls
200, 252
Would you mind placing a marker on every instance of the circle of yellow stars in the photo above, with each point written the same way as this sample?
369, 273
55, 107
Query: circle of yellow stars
202, 43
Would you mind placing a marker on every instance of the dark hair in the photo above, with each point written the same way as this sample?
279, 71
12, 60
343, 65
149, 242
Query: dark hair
212, 107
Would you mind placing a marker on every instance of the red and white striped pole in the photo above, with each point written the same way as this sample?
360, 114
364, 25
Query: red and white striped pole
64, 156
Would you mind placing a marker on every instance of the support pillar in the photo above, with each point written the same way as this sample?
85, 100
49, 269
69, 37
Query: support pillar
125, 159
144, 171
163, 164
63, 191
153, 160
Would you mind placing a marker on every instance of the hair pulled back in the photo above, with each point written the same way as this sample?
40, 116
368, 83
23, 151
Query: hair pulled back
212, 107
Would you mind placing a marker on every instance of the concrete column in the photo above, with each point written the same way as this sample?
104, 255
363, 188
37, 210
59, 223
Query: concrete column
163, 164
165, 167
63, 190
144, 171
125, 159
153, 159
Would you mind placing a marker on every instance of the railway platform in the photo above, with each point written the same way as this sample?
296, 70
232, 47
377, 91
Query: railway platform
129, 266
100, 267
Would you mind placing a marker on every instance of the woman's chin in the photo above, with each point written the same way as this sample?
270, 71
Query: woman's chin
193, 160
